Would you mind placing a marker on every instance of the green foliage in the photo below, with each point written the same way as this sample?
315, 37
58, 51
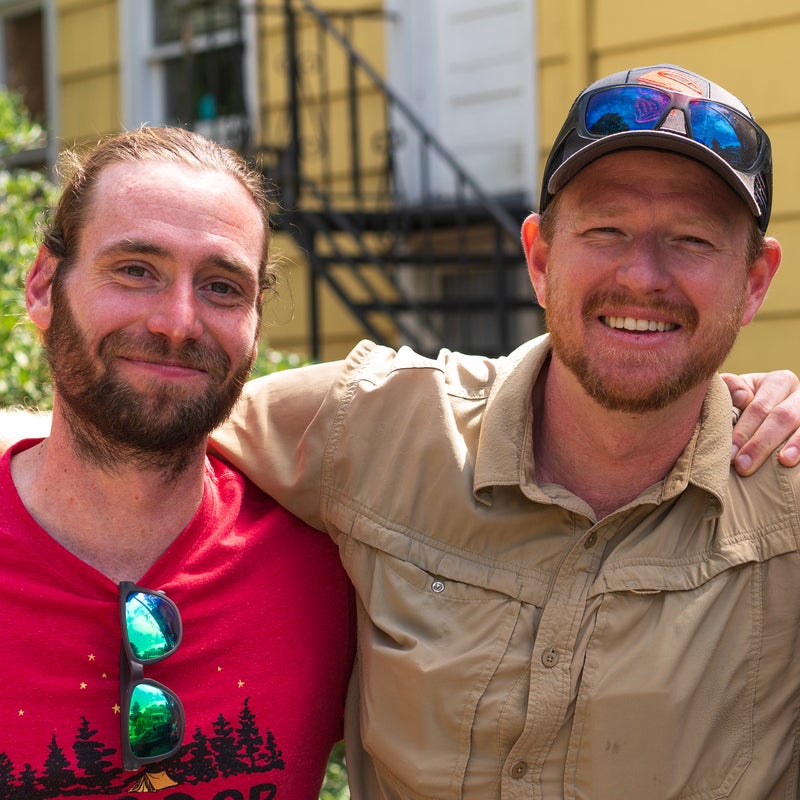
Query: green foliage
269, 360
24, 196
335, 785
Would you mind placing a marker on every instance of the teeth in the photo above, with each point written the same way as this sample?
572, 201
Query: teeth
632, 324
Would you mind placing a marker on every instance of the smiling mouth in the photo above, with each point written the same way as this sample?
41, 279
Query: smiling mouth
167, 366
638, 325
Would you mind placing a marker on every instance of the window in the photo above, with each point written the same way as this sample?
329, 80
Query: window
194, 58
24, 65
23, 52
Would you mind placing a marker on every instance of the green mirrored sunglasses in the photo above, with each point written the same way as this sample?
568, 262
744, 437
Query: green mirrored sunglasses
153, 719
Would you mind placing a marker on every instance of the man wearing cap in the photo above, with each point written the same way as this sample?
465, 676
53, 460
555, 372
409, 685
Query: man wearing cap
564, 589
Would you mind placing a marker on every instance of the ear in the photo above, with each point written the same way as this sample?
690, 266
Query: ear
38, 288
759, 278
536, 254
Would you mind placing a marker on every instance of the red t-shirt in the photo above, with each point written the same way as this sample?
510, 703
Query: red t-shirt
262, 669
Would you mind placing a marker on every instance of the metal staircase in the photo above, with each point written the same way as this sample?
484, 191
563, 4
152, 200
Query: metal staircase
360, 182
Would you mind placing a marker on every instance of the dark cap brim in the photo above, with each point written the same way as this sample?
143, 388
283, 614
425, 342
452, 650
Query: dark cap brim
744, 186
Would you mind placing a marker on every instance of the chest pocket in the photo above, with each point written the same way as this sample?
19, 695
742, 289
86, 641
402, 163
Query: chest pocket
429, 647
666, 709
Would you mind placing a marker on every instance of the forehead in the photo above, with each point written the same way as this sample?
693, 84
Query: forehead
656, 178
175, 205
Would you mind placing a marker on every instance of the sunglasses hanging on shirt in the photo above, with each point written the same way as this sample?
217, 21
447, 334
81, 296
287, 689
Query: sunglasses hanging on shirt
153, 719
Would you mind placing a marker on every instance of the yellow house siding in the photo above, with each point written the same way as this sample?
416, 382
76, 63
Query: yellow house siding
288, 318
618, 22
88, 68
748, 47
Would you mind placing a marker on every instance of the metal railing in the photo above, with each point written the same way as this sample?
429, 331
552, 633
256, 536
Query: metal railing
392, 223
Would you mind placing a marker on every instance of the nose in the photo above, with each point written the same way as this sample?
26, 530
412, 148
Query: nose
176, 314
644, 267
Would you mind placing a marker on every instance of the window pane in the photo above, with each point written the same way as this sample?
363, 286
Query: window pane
24, 53
199, 17
204, 85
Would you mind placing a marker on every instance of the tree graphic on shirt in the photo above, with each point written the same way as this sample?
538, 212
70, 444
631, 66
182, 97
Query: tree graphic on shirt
27, 782
6, 776
229, 751
250, 739
92, 756
226, 749
58, 777
200, 763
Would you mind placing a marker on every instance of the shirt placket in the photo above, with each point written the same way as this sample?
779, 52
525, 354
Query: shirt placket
551, 664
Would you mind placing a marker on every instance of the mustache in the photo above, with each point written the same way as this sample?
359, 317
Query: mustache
685, 315
191, 354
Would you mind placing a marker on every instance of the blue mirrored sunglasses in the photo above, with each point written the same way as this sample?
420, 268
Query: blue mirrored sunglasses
730, 134
153, 719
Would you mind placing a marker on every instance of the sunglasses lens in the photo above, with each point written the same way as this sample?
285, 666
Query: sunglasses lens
154, 721
639, 108
725, 132
152, 625
625, 108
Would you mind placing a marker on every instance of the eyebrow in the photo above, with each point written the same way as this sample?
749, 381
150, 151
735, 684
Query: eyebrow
132, 247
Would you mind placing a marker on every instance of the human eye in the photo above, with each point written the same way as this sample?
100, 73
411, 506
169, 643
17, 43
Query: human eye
695, 242
604, 233
224, 291
134, 270
134, 273
221, 288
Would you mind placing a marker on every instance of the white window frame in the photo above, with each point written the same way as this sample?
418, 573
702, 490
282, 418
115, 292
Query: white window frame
142, 71
14, 8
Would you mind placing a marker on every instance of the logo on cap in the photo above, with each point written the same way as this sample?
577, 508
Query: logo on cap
672, 80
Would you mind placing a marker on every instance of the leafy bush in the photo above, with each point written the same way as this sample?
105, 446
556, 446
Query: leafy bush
24, 196
335, 785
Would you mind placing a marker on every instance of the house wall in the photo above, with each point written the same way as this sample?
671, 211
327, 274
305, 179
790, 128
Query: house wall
750, 48
287, 316
87, 69
88, 81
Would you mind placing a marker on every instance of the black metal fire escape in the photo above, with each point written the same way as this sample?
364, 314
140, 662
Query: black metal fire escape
359, 177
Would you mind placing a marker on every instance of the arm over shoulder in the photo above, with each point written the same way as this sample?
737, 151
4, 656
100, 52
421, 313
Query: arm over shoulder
278, 431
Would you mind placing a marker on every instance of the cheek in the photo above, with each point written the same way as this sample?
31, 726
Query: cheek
238, 340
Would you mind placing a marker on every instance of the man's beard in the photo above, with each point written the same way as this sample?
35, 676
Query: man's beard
113, 424
635, 395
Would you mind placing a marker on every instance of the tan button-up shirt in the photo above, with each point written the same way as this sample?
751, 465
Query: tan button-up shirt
510, 644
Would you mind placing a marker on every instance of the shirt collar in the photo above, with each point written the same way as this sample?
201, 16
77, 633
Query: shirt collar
505, 448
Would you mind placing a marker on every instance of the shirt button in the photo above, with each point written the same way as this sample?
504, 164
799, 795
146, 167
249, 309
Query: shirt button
519, 769
550, 657
437, 586
591, 541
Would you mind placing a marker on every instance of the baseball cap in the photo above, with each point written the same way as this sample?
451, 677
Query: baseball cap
665, 107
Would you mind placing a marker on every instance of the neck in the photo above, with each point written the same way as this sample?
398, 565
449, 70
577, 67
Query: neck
607, 458
118, 520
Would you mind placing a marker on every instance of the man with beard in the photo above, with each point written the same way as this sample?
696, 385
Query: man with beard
564, 589
168, 625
